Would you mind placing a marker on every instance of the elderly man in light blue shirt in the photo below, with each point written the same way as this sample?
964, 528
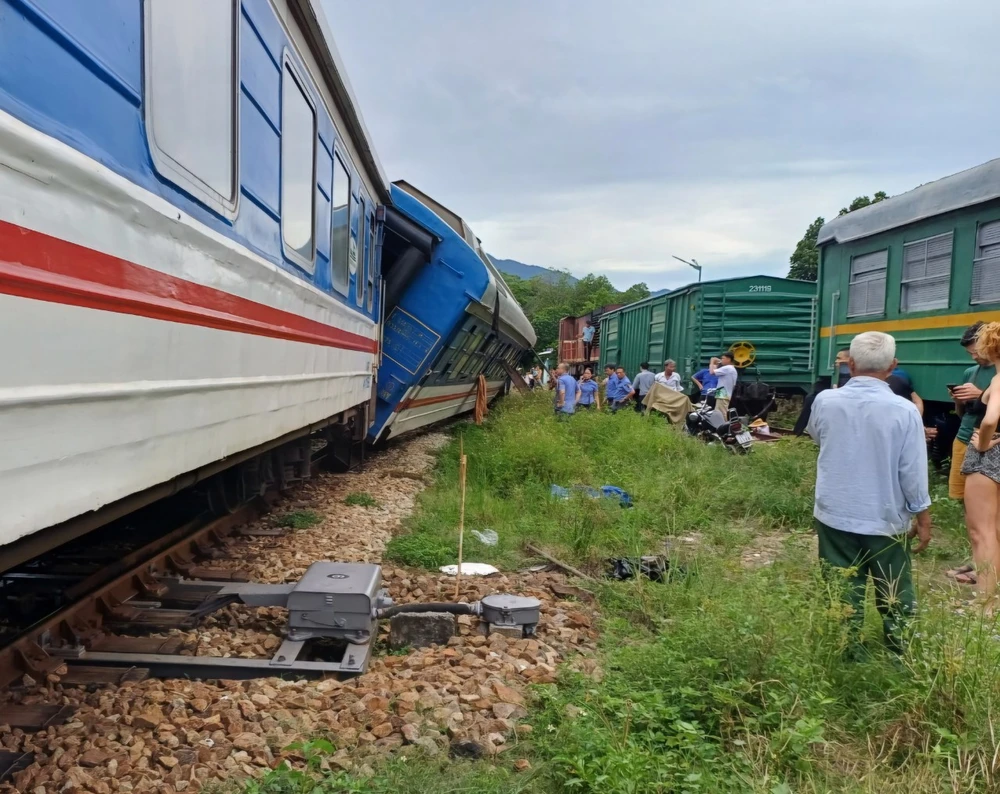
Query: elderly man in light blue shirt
871, 481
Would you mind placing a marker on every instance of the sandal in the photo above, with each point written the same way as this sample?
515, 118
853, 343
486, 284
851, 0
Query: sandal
966, 578
954, 573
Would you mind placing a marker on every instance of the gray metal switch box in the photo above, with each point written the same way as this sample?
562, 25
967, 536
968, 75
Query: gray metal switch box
335, 599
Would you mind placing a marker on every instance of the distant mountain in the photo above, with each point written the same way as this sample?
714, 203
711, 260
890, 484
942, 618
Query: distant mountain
514, 268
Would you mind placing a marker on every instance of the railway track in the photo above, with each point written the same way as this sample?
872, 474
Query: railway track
133, 592
86, 614
109, 611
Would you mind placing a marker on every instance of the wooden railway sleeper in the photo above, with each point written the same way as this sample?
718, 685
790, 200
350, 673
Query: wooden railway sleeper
35, 660
148, 585
80, 631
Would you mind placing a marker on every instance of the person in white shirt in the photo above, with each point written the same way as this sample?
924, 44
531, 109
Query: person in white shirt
669, 376
726, 373
871, 481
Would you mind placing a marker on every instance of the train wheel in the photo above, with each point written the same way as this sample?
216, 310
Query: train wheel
227, 492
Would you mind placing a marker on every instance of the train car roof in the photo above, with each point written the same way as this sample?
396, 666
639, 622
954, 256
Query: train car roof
964, 189
510, 310
697, 284
309, 14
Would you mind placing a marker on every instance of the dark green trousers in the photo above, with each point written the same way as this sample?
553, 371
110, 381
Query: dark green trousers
850, 559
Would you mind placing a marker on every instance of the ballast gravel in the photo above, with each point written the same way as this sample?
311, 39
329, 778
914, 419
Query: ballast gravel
178, 735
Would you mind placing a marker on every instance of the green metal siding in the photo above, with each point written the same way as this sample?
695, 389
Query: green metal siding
609, 339
696, 322
927, 341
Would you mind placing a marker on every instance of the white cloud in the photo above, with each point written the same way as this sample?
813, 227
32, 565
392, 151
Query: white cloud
594, 137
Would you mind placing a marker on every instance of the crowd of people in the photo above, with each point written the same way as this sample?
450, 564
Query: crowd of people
717, 381
872, 497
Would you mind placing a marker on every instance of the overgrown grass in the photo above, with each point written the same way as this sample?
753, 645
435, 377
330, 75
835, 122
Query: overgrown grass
678, 487
725, 678
360, 499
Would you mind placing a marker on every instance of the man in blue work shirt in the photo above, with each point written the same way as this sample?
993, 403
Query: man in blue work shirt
871, 480
565, 391
705, 379
588, 339
623, 388
610, 384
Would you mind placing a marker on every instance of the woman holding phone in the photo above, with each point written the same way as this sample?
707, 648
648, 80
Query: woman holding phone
981, 468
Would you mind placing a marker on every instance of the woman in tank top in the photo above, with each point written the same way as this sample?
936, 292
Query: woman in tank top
982, 470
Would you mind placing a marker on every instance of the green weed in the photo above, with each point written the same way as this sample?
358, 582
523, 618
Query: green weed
361, 499
301, 519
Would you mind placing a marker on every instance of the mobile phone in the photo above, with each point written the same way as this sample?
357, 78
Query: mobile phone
951, 386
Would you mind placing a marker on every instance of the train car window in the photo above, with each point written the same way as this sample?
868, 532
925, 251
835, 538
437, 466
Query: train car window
473, 363
471, 344
298, 171
986, 265
501, 355
866, 291
341, 235
191, 82
926, 280
358, 239
454, 350
370, 262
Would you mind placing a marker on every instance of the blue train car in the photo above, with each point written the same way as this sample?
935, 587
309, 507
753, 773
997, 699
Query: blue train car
449, 318
188, 259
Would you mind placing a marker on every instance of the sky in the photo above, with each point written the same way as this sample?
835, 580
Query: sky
602, 137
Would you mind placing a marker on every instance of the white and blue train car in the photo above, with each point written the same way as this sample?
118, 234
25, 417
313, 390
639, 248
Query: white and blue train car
189, 267
449, 318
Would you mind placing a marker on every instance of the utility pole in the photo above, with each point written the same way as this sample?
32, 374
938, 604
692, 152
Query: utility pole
693, 263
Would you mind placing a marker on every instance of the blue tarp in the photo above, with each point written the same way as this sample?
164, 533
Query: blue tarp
605, 492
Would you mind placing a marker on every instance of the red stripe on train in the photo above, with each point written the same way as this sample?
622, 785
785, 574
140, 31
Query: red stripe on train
440, 398
45, 268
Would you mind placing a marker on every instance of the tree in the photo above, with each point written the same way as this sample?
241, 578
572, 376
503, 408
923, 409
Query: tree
804, 261
636, 292
545, 302
863, 201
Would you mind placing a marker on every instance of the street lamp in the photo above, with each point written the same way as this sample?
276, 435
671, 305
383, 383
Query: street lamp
693, 263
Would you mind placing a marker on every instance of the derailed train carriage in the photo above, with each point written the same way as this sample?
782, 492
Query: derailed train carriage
190, 270
449, 318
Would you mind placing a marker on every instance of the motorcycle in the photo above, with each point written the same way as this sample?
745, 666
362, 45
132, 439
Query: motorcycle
708, 423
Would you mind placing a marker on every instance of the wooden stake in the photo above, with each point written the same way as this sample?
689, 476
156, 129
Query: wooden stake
462, 464
565, 566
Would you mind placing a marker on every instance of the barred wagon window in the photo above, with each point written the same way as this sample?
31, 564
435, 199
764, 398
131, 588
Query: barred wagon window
298, 171
866, 293
341, 236
190, 96
986, 266
461, 369
926, 278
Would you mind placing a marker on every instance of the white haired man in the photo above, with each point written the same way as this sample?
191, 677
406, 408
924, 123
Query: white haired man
871, 481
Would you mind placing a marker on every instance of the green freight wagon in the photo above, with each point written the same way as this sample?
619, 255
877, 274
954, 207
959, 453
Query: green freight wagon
775, 316
922, 266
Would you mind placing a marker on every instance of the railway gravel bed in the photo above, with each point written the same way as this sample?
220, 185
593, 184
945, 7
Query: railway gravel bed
178, 735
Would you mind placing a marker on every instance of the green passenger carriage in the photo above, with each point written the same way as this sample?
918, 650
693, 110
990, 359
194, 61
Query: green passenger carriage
921, 266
